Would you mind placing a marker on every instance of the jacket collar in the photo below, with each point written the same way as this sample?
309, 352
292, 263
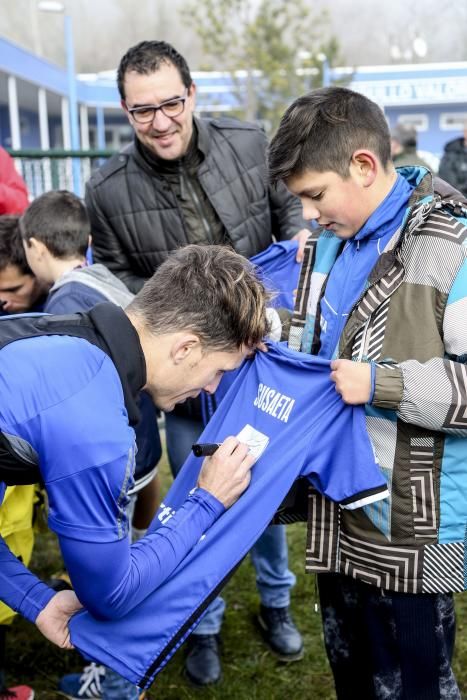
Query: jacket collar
121, 341
204, 139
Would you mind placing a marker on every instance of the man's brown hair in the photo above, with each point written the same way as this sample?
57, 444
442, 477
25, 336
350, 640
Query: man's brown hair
208, 290
321, 131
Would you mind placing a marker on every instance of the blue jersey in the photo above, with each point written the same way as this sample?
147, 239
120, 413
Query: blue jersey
279, 270
285, 406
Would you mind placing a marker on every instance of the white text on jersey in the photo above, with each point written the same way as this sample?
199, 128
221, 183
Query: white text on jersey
273, 402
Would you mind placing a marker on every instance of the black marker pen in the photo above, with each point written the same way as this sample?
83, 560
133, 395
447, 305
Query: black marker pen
205, 449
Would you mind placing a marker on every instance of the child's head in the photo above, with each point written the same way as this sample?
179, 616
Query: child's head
19, 289
55, 225
333, 150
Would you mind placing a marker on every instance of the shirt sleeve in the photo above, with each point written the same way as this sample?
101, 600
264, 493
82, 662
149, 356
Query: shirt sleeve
433, 394
19, 588
111, 578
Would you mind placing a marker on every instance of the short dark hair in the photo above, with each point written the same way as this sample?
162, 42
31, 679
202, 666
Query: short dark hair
11, 246
60, 221
209, 290
405, 134
320, 131
147, 57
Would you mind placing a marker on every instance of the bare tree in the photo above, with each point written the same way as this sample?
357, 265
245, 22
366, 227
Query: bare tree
268, 40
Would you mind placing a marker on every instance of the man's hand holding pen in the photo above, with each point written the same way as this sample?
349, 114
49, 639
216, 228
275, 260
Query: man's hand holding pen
227, 473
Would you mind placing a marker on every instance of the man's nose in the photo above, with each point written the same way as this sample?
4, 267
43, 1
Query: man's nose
212, 386
160, 121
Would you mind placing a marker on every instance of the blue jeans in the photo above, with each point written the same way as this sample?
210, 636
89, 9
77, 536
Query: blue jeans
269, 555
114, 687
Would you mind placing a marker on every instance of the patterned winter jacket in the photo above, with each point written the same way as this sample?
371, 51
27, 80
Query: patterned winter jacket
411, 321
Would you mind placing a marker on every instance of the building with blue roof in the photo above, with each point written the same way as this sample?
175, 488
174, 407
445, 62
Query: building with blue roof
35, 101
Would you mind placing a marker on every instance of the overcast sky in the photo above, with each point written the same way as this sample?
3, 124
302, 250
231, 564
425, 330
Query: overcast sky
369, 32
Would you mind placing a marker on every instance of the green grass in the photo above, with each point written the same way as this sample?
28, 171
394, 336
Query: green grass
250, 672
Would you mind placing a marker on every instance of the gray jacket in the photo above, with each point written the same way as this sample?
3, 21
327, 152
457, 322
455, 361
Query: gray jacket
136, 218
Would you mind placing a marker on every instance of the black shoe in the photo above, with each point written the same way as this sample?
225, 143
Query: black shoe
60, 581
202, 663
58, 584
280, 633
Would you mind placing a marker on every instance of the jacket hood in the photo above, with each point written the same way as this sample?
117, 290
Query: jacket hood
98, 277
455, 145
448, 192
428, 185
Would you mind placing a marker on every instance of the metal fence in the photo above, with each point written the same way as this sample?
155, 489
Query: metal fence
57, 170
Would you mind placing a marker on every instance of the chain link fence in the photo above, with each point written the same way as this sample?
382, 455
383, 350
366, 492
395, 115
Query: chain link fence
54, 170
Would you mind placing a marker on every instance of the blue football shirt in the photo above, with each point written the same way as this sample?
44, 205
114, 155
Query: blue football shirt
286, 407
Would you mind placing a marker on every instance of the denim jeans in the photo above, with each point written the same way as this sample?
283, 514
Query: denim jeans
269, 555
114, 687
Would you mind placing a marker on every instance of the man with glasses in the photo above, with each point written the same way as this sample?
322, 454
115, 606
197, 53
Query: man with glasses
190, 180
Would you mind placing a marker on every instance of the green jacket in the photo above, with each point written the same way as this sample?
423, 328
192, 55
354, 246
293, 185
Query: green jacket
409, 157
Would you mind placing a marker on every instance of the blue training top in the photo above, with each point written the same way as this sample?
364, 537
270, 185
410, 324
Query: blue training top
288, 406
74, 296
62, 404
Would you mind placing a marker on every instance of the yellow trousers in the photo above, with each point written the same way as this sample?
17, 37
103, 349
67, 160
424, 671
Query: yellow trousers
16, 515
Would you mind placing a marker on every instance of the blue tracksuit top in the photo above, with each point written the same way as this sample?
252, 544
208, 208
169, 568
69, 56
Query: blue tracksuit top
77, 296
290, 407
72, 297
63, 404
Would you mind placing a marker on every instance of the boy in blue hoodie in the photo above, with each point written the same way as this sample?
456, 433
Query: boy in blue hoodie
383, 294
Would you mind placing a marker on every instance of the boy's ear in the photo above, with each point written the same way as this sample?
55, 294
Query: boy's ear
366, 166
37, 247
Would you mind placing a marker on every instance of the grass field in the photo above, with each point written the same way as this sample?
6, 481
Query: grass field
250, 672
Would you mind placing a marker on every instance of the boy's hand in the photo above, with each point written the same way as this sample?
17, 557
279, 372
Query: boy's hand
352, 380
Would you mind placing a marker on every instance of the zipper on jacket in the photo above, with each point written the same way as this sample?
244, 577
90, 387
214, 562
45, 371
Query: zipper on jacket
336, 335
198, 206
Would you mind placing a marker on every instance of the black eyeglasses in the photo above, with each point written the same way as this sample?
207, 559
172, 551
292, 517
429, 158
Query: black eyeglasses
171, 108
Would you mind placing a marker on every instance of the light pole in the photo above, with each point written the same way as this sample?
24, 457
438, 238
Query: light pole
326, 69
59, 7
